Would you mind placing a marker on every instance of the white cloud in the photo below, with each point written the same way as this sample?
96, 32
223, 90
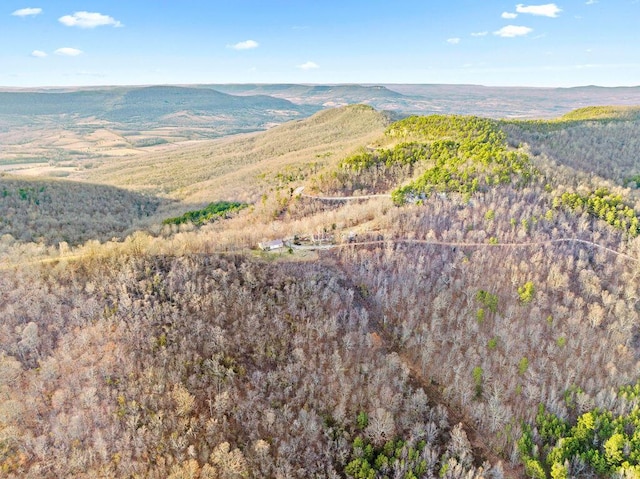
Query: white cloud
453, 41
511, 31
546, 10
309, 66
246, 45
38, 54
26, 12
479, 34
591, 2
509, 15
88, 20
68, 52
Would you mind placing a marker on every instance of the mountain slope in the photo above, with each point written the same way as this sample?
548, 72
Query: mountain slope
230, 168
59, 125
483, 326
52, 211
600, 140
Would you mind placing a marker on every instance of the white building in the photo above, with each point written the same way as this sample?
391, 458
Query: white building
271, 245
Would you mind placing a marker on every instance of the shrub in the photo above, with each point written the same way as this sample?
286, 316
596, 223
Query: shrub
211, 212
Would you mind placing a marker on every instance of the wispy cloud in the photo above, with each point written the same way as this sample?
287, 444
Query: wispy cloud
511, 31
27, 12
246, 45
309, 66
547, 10
509, 15
591, 2
38, 54
479, 34
453, 41
68, 52
89, 20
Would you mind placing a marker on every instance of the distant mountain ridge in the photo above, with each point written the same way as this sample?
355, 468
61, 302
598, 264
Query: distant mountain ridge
493, 102
143, 104
378, 96
282, 102
70, 124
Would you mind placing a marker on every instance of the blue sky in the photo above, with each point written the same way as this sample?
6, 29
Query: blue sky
487, 42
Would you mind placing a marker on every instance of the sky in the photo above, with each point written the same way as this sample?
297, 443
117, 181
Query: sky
483, 42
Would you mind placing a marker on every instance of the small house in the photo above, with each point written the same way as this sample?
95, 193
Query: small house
271, 245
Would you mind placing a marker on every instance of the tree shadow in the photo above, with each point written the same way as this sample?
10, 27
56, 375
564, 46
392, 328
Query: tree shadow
52, 211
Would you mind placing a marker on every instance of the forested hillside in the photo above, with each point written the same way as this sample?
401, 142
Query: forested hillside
476, 316
239, 166
600, 141
54, 211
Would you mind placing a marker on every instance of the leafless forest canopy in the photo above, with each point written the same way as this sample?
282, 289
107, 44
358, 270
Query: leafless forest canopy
481, 321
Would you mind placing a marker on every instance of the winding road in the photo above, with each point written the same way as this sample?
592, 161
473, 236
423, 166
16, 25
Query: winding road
452, 244
345, 198
299, 192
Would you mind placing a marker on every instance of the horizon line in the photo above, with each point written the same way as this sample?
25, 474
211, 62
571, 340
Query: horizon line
367, 84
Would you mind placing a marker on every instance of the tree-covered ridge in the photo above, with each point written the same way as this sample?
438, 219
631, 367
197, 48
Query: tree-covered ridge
603, 113
578, 117
468, 153
600, 441
605, 146
211, 212
403, 154
604, 205
439, 127
448, 153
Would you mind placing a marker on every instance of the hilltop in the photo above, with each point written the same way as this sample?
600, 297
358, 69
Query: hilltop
603, 113
241, 167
